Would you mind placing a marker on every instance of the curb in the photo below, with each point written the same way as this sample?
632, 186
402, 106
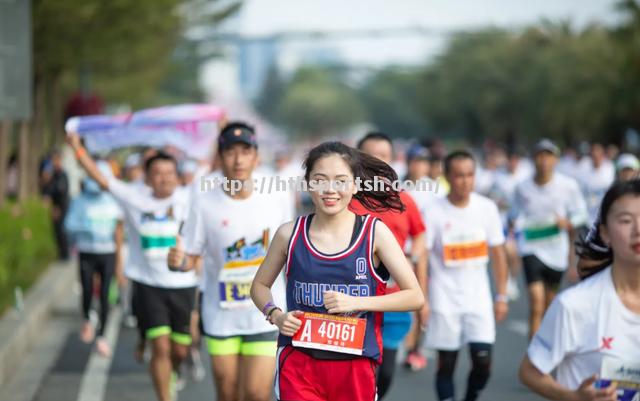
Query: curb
18, 332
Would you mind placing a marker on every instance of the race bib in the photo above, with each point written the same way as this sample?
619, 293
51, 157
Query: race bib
626, 376
235, 289
241, 263
465, 248
545, 229
331, 333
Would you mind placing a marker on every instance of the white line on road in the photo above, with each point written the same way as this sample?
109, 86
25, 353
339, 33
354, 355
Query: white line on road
94, 379
518, 326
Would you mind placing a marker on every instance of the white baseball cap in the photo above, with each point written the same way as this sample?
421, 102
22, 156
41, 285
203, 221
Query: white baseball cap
627, 160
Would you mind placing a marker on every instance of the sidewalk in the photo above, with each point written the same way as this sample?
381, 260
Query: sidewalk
21, 332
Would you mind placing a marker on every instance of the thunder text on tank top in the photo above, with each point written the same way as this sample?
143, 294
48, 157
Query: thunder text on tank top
310, 272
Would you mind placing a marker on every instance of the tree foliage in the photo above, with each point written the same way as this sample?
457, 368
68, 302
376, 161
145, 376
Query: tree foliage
549, 79
391, 99
316, 102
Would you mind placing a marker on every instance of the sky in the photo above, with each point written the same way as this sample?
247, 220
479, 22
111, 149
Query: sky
347, 20
262, 16
438, 18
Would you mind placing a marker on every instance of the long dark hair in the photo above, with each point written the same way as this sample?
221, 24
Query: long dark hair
590, 246
366, 168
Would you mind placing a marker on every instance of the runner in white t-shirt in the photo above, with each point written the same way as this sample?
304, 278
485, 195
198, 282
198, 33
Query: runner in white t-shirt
590, 334
546, 207
423, 190
502, 193
164, 298
464, 233
595, 178
232, 230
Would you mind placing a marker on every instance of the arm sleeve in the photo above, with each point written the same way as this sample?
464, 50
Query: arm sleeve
554, 340
416, 225
429, 235
193, 230
121, 191
577, 206
495, 232
514, 210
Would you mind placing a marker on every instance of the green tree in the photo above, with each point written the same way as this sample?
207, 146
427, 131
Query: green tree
318, 102
125, 49
271, 95
391, 100
547, 80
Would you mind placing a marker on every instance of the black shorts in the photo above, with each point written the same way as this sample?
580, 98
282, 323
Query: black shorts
163, 311
535, 270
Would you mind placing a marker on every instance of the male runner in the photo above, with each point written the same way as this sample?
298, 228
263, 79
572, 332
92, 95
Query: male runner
231, 228
465, 232
546, 207
164, 298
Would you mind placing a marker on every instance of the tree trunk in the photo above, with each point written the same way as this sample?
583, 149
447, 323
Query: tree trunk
23, 161
56, 107
5, 132
38, 133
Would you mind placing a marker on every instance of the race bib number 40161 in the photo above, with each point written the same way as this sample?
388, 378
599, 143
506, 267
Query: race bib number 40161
625, 375
331, 333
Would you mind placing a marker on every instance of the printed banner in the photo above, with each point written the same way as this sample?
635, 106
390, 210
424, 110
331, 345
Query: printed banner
191, 128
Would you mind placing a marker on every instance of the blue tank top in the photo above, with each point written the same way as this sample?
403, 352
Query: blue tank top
309, 273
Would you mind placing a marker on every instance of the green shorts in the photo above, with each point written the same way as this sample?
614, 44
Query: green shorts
261, 344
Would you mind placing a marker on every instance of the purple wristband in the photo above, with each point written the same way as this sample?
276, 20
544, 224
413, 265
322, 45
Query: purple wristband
268, 306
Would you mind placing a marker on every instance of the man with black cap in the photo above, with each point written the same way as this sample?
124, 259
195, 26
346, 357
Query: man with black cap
231, 226
546, 207
164, 297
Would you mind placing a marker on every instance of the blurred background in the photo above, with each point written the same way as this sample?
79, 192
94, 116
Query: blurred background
485, 74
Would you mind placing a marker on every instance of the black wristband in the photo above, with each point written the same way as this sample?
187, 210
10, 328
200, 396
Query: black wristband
271, 313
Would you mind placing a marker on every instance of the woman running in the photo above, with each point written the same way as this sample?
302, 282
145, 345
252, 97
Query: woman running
337, 264
589, 335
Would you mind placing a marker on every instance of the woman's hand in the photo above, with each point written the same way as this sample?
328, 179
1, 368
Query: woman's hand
586, 391
337, 302
287, 323
423, 315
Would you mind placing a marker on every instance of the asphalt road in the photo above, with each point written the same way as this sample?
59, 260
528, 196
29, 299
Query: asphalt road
61, 368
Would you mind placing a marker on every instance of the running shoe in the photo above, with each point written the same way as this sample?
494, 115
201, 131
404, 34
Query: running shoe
196, 367
87, 332
103, 348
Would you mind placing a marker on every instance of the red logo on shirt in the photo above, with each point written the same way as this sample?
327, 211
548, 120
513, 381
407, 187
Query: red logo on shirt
606, 343
225, 223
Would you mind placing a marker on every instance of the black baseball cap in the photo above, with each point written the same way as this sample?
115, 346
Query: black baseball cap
236, 132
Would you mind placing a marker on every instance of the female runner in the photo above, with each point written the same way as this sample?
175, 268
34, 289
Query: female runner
589, 335
336, 264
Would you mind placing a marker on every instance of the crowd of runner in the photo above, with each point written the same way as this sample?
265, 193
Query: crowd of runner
318, 291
